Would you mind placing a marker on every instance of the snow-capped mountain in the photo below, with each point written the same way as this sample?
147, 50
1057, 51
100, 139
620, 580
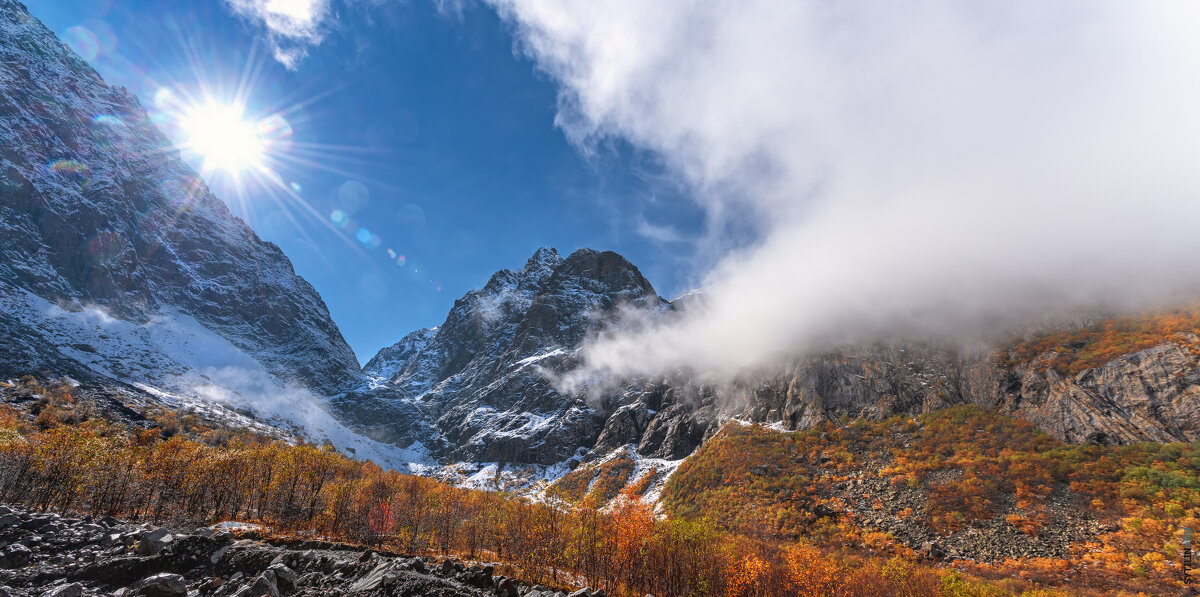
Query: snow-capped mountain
117, 263
477, 388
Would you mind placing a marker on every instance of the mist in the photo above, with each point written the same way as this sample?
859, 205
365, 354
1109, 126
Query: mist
945, 168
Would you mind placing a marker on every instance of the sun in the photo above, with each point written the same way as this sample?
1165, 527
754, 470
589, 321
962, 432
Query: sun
222, 136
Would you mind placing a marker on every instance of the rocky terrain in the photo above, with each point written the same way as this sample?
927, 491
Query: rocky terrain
59, 556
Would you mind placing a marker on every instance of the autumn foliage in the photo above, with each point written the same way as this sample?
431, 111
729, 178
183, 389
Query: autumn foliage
207, 475
1087, 347
972, 466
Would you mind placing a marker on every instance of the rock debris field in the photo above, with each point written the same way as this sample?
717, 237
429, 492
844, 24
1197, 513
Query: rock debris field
57, 556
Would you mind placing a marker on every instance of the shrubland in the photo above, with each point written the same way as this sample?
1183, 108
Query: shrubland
200, 474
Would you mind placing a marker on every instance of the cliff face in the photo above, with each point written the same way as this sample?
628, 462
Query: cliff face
103, 222
1149, 395
479, 388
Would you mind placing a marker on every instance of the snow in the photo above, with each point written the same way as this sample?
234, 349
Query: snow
524, 479
525, 362
176, 359
231, 525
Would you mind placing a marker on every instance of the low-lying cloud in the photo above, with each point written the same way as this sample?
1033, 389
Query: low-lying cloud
940, 166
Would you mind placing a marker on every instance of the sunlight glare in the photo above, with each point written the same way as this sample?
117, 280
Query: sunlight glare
223, 138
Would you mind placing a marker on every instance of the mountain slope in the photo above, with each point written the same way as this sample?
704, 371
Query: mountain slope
100, 217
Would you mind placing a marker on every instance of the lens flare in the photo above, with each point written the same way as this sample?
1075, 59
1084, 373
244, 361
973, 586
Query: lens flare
83, 41
73, 170
222, 136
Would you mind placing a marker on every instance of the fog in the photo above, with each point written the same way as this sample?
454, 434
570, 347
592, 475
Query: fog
943, 168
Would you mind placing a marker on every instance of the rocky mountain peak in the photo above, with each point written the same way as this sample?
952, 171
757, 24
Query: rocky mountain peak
390, 361
543, 260
482, 383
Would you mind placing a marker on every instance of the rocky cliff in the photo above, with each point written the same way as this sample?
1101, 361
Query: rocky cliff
116, 259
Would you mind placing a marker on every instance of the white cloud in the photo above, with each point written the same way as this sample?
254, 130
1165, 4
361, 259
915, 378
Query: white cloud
658, 233
936, 165
292, 26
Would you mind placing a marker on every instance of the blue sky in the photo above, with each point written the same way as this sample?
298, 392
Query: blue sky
818, 168
451, 134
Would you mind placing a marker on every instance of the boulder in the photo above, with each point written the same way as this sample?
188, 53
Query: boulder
160, 585
72, 590
285, 578
264, 585
505, 587
153, 542
372, 580
15, 556
932, 550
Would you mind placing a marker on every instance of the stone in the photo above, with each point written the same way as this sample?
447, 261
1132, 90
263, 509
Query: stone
932, 550
505, 587
372, 580
15, 556
152, 542
164, 584
264, 585
69, 590
285, 578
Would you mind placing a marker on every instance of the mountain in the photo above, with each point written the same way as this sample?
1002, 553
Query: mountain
120, 269
480, 387
475, 388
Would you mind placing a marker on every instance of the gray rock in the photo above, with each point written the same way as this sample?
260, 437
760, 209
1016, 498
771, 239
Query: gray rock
160, 585
15, 556
264, 585
373, 579
285, 578
505, 587
69, 590
153, 542
932, 550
